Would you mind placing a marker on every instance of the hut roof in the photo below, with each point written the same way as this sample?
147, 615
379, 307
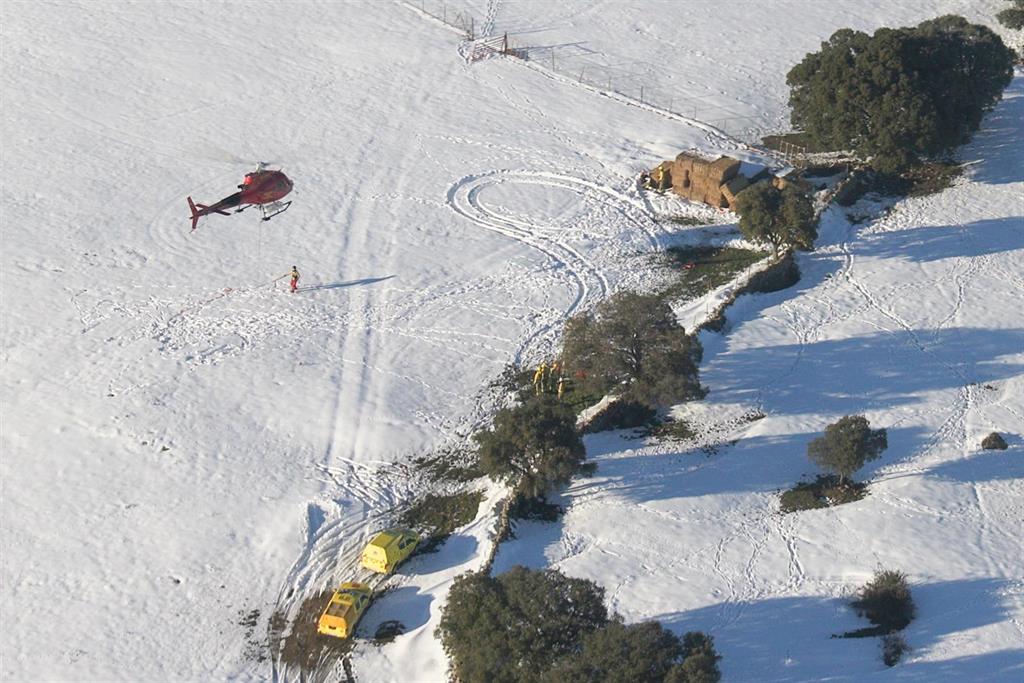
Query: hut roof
752, 169
738, 184
692, 156
722, 164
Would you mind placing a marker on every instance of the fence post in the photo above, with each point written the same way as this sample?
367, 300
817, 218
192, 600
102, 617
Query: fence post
504, 44
641, 94
581, 74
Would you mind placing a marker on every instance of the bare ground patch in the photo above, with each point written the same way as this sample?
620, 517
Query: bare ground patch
302, 646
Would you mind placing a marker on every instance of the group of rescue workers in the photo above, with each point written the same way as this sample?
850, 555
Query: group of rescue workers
550, 379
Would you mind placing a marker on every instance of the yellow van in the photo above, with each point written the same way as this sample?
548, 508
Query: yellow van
343, 611
388, 549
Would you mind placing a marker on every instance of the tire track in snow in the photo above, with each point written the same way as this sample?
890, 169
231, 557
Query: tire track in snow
331, 549
587, 279
331, 555
365, 492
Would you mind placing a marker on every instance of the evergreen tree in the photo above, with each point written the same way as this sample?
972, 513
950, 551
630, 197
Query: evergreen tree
512, 627
632, 344
701, 661
1012, 16
781, 218
900, 94
533, 445
846, 446
619, 654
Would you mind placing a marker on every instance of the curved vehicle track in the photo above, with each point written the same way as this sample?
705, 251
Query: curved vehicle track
588, 280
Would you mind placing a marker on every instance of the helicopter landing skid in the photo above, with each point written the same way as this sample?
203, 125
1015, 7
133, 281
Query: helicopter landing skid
273, 209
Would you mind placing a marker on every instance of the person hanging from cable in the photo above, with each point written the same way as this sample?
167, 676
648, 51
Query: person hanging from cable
295, 279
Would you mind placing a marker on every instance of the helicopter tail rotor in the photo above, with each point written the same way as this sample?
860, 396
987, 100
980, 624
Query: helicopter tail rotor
195, 214
199, 210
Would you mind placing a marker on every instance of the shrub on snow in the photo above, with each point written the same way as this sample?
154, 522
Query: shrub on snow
886, 601
994, 441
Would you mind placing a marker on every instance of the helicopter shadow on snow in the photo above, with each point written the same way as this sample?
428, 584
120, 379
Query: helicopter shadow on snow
342, 285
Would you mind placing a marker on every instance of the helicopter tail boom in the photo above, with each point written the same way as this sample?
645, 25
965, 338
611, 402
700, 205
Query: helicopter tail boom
199, 210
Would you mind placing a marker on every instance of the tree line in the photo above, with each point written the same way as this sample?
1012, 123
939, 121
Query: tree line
900, 95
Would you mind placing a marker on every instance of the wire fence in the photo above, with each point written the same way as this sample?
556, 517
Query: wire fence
466, 16
636, 80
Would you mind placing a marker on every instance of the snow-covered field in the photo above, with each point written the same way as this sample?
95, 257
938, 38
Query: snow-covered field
184, 442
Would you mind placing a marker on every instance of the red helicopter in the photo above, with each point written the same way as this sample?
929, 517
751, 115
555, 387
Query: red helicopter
262, 187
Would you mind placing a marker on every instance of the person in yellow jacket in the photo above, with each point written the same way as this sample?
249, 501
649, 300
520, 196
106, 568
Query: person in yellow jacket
554, 372
538, 378
561, 387
295, 279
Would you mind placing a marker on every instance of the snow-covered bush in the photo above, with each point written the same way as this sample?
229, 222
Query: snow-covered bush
801, 497
825, 491
437, 516
620, 414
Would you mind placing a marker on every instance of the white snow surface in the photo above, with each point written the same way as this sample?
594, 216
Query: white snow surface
183, 442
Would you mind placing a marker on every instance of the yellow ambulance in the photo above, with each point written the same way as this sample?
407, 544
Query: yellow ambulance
388, 549
343, 611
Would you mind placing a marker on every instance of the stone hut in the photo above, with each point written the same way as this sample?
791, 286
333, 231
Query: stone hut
715, 182
701, 180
